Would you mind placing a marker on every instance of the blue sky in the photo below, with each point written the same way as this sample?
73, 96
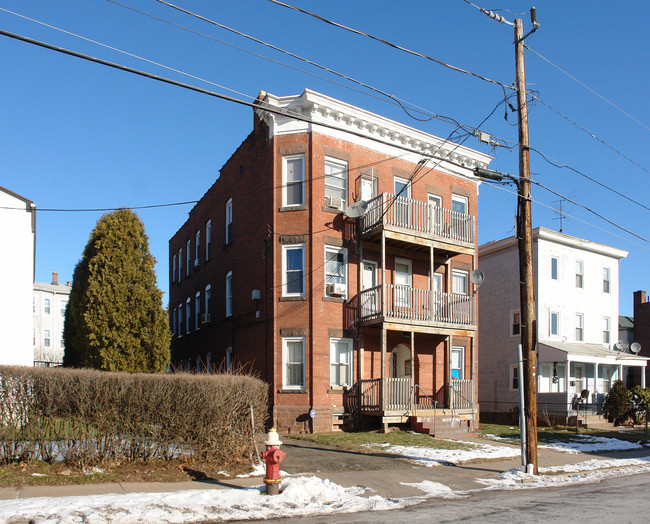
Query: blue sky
81, 135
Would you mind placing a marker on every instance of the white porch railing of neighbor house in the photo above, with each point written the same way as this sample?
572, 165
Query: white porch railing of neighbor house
418, 217
461, 394
407, 303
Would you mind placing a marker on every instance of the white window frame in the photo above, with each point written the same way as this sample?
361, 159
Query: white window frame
607, 326
286, 362
285, 277
607, 280
406, 193
550, 323
286, 183
333, 168
229, 294
328, 276
229, 222
47, 306
580, 327
515, 316
188, 315
208, 239
188, 257
580, 274
460, 199
465, 276
335, 361
63, 304
47, 340
514, 375
555, 268
458, 350
197, 247
208, 298
197, 311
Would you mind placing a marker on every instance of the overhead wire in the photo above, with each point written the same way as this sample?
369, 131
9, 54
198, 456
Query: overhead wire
588, 88
388, 43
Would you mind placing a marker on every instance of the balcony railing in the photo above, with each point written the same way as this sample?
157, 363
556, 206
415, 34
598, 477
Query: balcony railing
418, 218
410, 304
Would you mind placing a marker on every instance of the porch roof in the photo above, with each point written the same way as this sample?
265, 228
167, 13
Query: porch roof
565, 351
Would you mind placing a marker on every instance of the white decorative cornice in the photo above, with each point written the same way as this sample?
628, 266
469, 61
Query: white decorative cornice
349, 122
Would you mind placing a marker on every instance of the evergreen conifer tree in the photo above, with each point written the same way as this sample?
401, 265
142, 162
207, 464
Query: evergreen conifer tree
114, 318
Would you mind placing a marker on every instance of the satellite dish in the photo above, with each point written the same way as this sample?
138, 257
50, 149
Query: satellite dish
356, 210
622, 345
635, 347
477, 277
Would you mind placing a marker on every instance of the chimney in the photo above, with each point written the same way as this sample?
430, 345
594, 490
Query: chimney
639, 298
55, 278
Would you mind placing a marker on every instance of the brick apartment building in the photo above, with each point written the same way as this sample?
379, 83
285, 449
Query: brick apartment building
337, 313
642, 326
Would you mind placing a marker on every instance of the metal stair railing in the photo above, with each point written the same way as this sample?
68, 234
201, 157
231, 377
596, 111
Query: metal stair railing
470, 402
434, 402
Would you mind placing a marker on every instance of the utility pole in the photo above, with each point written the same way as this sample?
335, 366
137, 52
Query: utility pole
525, 242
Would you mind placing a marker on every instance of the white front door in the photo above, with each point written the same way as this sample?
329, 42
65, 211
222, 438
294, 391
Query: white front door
580, 378
402, 202
369, 300
437, 295
403, 281
367, 189
435, 220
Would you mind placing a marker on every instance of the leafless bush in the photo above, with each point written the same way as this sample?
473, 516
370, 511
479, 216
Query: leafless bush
86, 417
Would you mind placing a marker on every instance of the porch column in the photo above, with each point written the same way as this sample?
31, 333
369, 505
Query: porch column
383, 273
361, 372
382, 385
448, 371
431, 284
413, 392
620, 372
595, 397
643, 377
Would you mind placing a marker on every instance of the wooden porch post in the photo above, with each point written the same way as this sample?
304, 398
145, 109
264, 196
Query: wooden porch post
382, 386
413, 392
383, 273
431, 284
361, 371
448, 370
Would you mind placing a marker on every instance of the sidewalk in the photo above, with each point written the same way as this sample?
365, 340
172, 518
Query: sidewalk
381, 473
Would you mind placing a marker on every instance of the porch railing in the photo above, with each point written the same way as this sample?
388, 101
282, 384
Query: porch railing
461, 394
418, 217
407, 303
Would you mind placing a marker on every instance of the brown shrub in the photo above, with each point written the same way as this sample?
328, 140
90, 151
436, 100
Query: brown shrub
87, 417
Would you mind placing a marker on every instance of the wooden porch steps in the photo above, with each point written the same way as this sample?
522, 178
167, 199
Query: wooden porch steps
444, 426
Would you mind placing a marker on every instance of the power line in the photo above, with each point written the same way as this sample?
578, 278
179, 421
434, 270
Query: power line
390, 44
258, 104
83, 210
591, 134
589, 88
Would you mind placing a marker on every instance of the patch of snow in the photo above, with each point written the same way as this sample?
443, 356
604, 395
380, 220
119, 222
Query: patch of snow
589, 444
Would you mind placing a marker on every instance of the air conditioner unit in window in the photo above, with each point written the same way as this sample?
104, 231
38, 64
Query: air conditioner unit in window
331, 201
205, 318
335, 290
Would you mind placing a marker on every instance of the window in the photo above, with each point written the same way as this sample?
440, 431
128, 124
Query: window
459, 204
555, 323
514, 377
336, 176
180, 264
197, 248
188, 256
336, 272
179, 331
294, 180
606, 330
459, 281
293, 370
46, 306
33, 337
197, 311
579, 327
293, 271
208, 298
340, 362
229, 222
46, 338
208, 362
208, 239
554, 268
457, 362
63, 304
188, 316
229, 294
515, 323
173, 269
228, 359
606, 280
579, 273
174, 313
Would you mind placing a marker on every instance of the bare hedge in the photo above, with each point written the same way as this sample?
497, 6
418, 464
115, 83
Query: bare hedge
87, 417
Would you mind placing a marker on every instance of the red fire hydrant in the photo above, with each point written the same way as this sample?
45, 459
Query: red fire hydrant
273, 456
